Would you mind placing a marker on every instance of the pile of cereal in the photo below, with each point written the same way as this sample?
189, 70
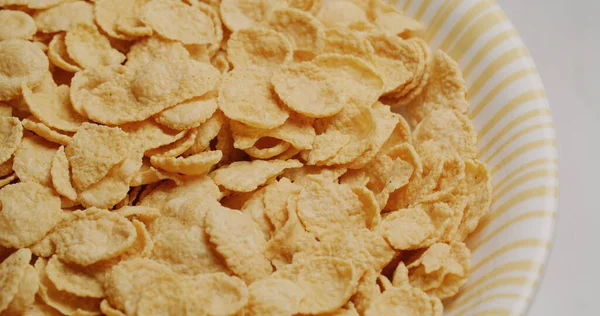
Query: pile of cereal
231, 157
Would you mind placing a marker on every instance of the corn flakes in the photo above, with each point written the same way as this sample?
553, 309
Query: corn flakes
246, 95
327, 281
73, 279
64, 16
89, 48
330, 16
190, 113
22, 62
307, 89
12, 270
229, 157
100, 235
63, 302
89, 165
441, 270
120, 19
16, 24
273, 297
11, 134
45, 132
257, 173
258, 46
178, 21
58, 56
27, 205
241, 243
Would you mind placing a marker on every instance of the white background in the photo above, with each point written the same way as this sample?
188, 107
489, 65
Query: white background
563, 37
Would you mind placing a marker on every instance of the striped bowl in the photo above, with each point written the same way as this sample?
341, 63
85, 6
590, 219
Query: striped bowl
517, 141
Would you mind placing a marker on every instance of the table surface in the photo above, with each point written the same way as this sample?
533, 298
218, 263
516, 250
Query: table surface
563, 36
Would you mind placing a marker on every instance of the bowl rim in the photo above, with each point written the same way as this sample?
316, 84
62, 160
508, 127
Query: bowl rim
417, 9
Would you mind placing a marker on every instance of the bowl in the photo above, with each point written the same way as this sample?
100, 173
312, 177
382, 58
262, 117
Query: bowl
517, 141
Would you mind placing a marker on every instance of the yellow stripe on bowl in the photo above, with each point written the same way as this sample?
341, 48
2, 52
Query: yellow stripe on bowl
517, 141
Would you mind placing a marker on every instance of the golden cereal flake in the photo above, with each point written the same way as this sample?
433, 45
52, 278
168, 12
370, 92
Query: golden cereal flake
207, 131
43, 4
129, 23
190, 113
74, 279
258, 46
128, 278
93, 235
387, 17
354, 125
404, 301
22, 62
304, 31
28, 287
323, 205
33, 160
5, 109
32, 124
150, 48
187, 251
386, 123
366, 249
297, 130
441, 270
357, 79
342, 13
6, 180
108, 310
246, 95
407, 229
241, 14
274, 297
147, 135
93, 151
176, 148
175, 200
445, 132
275, 201
246, 176
113, 187
89, 48
190, 165
178, 21
148, 174
479, 194
241, 243
446, 88
120, 19
53, 108
309, 90
58, 56
64, 302
367, 290
11, 134
343, 41
327, 281
16, 24
29, 212
12, 270
61, 175
268, 152
116, 94
64, 16
290, 239
218, 294
311, 6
